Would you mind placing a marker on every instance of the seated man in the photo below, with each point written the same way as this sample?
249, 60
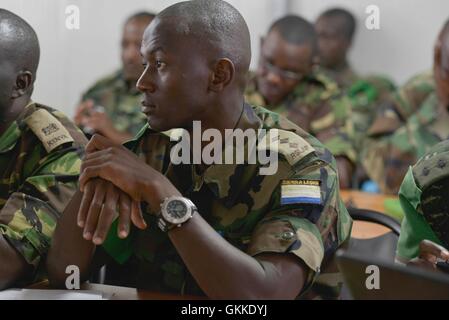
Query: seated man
224, 230
335, 29
40, 158
390, 151
405, 102
424, 199
288, 81
112, 106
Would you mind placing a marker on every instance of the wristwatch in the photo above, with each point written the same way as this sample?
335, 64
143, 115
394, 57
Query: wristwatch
175, 211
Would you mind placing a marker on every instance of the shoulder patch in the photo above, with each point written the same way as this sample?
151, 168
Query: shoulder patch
300, 191
48, 129
292, 146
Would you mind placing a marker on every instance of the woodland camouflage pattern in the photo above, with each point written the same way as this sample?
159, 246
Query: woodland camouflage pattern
318, 106
398, 138
244, 208
423, 196
38, 176
344, 77
122, 104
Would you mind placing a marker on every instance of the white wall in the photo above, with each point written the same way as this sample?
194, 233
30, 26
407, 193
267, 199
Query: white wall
72, 60
404, 44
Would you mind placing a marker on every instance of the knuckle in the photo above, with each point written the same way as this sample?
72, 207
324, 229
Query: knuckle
96, 203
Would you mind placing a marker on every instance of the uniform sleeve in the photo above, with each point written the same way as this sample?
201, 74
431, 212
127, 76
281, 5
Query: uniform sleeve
28, 218
414, 227
307, 218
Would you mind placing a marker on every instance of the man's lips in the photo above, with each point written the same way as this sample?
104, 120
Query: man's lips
147, 107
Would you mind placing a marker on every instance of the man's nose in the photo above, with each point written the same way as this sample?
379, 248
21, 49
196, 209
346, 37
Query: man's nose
274, 78
145, 84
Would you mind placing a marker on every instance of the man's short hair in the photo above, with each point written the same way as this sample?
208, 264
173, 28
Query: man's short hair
348, 21
296, 30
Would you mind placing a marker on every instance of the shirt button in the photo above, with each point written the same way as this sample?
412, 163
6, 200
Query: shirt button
288, 235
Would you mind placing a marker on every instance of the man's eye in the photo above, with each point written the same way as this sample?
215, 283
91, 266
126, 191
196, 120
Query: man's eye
144, 64
159, 64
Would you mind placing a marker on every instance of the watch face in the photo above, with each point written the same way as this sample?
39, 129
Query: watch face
177, 208
177, 211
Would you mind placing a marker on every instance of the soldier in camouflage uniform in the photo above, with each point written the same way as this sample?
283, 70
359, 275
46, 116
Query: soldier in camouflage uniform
405, 101
367, 96
112, 106
424, 113
289, 82
244, 219
335, 29
40, 158
423, 197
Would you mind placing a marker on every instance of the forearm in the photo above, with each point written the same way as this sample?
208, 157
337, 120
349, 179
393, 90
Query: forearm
223, 271
68, 246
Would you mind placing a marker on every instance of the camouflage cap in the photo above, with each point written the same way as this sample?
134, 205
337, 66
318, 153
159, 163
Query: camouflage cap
432, 177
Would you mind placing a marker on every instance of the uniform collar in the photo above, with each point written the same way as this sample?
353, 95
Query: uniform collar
228, 181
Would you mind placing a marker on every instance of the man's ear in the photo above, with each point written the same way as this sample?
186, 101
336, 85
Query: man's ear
23, 84
223, 73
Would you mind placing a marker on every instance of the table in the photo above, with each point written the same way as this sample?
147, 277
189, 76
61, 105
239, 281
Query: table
123, 293
363, 200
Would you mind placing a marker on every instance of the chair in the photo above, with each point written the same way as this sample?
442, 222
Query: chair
380, 248
375, 217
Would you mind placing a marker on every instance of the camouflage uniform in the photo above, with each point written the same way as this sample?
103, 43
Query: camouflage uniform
423, 197
318, 106
367, 95
344, 77
406, 101
245, 208
121, 103
386, 159
40, 158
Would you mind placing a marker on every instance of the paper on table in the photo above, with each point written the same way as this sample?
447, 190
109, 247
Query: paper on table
35, 294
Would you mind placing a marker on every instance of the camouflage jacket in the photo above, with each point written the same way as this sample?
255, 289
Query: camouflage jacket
40, 158
391, 116
387, 159
367, 96
423, 197
247, 209
319, 107
344, 77
121, 103
404, 103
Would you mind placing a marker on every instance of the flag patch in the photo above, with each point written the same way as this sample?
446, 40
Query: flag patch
300, 191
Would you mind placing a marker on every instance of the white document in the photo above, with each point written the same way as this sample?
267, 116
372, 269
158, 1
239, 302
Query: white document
37, 294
